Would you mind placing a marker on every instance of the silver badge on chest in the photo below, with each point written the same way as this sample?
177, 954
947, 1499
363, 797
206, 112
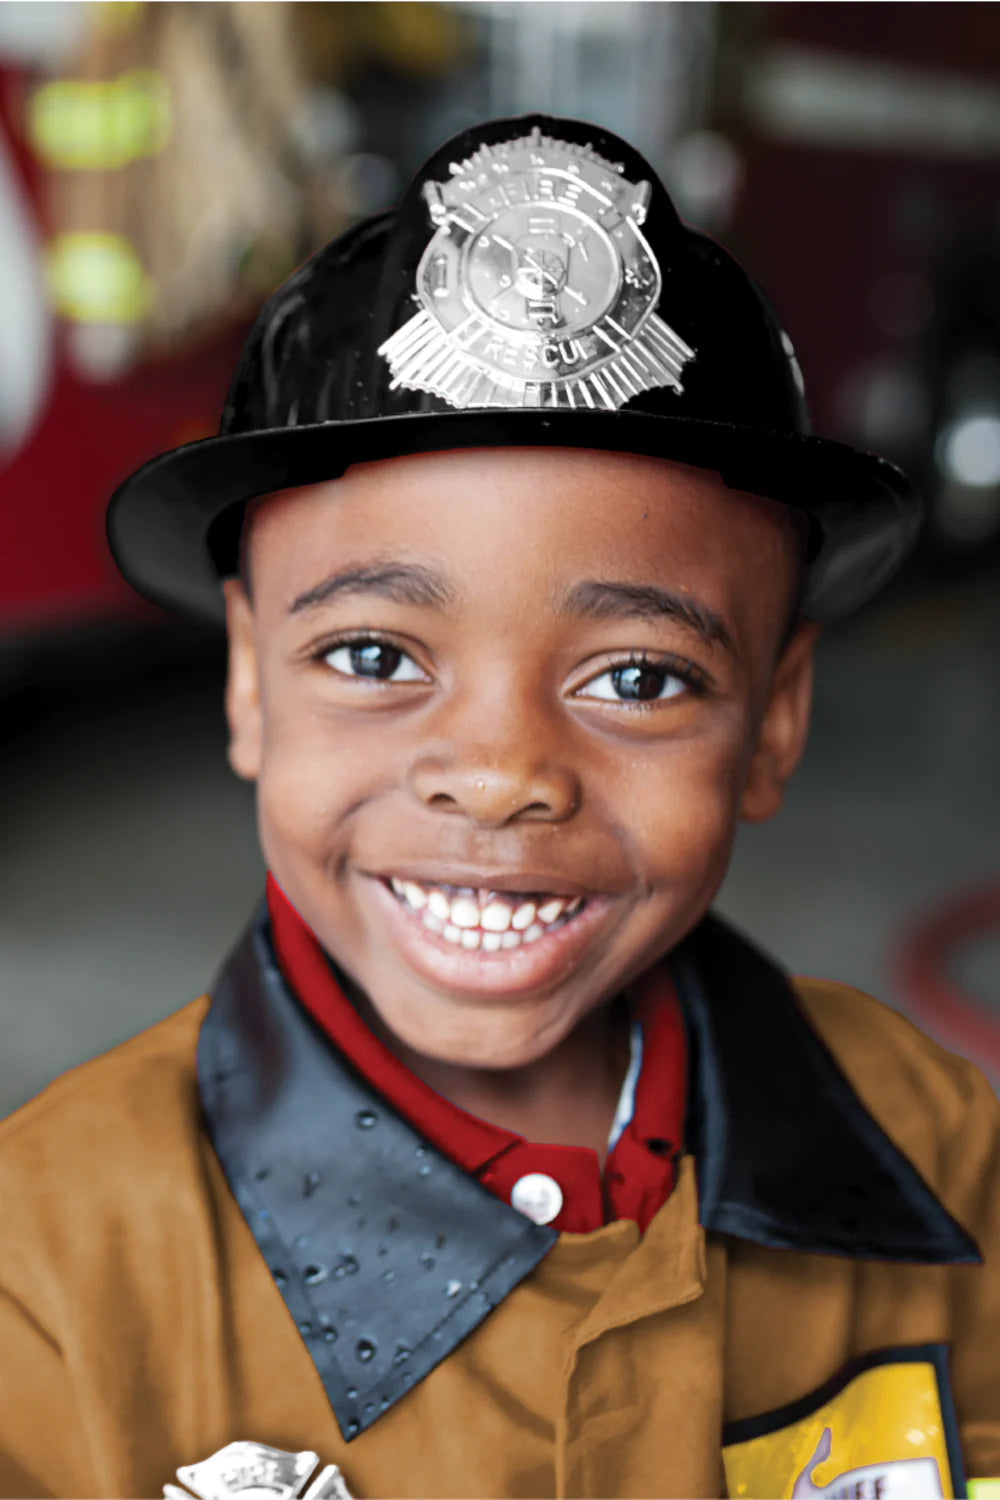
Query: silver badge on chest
537, 288
253, 1471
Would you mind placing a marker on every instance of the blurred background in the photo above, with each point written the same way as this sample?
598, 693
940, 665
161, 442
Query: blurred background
164, 166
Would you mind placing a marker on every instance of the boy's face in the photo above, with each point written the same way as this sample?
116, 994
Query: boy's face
550, 677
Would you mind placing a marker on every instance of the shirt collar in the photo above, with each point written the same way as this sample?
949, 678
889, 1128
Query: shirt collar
387, 1254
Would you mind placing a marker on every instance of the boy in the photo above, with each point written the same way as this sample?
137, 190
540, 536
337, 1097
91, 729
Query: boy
495, 1164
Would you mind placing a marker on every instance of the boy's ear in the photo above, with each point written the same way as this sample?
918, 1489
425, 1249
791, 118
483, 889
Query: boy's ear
243, 710
783, 730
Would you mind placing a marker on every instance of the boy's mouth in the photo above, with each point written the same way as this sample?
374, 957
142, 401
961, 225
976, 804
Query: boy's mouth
488, 920
487, 941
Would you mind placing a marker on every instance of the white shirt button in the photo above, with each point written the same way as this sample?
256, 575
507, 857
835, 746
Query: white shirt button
537, 1196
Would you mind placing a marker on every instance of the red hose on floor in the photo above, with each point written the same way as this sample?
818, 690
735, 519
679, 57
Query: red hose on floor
920, 974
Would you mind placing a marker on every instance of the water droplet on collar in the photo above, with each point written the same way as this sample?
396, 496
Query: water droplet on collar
365, 1119
313, 1275
310, 1183
364, 1350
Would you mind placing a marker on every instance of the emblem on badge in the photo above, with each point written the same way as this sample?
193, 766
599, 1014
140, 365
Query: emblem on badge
537, 287
255, 1472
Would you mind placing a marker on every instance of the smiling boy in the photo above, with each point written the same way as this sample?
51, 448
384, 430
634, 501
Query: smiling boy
573, 751
495, 1164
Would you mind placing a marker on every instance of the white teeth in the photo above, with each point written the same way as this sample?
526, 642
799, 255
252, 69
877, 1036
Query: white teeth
439, 904
464, 912
414, 895
495, 917
499, 924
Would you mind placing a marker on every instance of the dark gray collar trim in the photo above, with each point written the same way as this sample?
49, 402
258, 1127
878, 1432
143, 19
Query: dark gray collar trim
386, 1254
787, 1154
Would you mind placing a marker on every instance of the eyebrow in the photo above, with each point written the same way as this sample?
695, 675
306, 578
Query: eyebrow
598, 600
403, 583
420, 585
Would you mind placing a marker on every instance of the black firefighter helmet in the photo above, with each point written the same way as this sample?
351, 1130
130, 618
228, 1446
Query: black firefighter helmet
534, 287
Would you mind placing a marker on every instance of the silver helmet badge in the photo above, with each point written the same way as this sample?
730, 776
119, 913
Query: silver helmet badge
537, 287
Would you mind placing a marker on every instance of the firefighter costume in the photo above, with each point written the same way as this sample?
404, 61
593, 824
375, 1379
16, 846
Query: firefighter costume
232, 1249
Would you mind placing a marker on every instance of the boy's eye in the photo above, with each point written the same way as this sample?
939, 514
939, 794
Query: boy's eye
636, 682
377, 660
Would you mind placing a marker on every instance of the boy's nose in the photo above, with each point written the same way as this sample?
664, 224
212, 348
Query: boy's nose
493, 792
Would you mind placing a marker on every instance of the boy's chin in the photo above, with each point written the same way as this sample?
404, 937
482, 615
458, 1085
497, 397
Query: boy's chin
447, 1035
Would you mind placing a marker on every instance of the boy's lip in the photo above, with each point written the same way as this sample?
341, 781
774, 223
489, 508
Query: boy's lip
515, 971
518, 882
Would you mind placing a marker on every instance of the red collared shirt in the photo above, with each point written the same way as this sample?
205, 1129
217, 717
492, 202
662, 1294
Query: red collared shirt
640, 1170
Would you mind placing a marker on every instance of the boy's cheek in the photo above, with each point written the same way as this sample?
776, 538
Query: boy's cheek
690, 824
692, 849
301, 803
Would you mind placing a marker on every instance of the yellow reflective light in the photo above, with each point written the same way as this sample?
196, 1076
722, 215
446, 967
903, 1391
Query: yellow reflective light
87, 125
97, 278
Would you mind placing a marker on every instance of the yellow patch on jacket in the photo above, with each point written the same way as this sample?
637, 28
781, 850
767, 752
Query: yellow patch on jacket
883, 1436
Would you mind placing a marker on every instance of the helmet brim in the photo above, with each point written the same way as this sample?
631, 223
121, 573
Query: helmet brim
172, 525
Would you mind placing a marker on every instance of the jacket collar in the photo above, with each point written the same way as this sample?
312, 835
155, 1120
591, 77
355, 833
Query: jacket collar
787, 1154
387, 1255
